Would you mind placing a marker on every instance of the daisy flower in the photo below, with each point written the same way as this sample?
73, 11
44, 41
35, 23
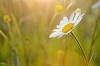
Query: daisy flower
67, 25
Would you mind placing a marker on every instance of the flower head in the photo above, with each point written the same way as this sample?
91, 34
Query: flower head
67, 25
96, 5
59, 8
6, 18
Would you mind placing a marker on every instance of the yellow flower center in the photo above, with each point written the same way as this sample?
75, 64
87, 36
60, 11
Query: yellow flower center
67, 27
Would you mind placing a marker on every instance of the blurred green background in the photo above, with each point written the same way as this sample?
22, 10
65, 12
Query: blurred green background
24, 41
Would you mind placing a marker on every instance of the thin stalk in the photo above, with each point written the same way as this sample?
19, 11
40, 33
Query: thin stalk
92, 57
53, 18
70, 4
10, 32
93, 38
14, 59
51, 25
1, 32
97, 36
16, 25
64, 60
80, 47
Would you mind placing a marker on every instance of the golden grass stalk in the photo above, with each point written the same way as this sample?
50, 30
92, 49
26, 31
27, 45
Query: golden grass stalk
93, 38
5, 37
70, 4
16, 24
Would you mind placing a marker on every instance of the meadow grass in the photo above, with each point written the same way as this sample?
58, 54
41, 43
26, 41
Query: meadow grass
24, 40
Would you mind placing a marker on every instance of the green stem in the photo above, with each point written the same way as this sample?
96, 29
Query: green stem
10, 32
97, 36
81, 48
93, 38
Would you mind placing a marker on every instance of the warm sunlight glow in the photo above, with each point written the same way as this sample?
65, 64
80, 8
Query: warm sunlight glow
49, 32
30, 3
43, 1
40, 2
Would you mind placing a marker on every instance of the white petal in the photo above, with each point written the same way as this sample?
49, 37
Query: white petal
76, 16
71, 17
55, 34
58, 26
61, 35
56, 30
79, 19
64, 21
